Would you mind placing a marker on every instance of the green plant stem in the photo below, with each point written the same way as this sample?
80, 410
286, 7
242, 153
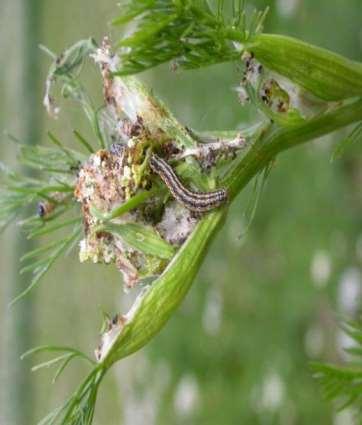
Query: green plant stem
169, 289
278, 140
327, 75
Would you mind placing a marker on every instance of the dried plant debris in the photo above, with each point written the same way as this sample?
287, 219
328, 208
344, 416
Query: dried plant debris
102, 183
209, 153
128, 219
126, 97
140, 242
107, 180
253, 69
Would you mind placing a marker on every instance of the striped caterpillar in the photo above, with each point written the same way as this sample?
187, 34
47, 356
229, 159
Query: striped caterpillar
194, 201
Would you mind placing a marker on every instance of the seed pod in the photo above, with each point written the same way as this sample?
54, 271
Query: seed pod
327, 75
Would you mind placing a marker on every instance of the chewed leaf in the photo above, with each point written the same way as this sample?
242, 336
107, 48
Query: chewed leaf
143, 238
354, 137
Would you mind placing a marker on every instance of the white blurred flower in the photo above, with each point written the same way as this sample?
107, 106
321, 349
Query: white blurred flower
314, 341
212, 316
187, 394
273, 391
320, 268
345, 417
350, 291
344, 341
287, 8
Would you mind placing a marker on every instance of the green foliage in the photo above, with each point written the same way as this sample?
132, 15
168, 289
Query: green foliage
68, 355
55, 168
343, 384
41, 259
79, 408
193, 35
55, 188
189, 32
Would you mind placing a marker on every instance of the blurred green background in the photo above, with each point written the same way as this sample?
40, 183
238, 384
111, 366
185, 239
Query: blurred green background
264, 303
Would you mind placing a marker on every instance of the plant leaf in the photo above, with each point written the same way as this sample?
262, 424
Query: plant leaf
143, 238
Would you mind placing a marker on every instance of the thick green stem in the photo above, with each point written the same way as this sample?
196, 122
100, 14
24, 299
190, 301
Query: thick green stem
276, 141
326, 74
168, 290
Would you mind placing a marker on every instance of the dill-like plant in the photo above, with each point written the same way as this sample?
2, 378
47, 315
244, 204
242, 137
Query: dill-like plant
106, 197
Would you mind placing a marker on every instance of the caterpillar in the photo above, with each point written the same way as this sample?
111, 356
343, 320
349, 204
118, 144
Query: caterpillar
194, 201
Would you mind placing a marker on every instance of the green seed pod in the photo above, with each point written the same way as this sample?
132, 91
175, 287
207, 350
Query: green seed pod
327, 75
